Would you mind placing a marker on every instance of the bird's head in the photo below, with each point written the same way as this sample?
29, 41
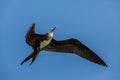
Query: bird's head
50, 33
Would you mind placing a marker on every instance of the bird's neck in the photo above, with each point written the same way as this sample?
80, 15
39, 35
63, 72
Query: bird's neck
50, 35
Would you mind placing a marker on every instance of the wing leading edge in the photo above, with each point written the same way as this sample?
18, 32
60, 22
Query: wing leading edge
76, 47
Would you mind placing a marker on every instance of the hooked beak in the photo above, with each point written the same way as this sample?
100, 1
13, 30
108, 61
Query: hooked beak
53, 29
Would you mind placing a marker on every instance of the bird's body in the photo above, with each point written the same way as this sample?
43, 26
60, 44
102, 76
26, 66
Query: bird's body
46, 42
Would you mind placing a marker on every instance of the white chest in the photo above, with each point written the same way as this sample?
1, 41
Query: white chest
44, 43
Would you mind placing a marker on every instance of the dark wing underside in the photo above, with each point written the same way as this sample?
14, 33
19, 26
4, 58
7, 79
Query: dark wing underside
31, 30
76, 47
32, 38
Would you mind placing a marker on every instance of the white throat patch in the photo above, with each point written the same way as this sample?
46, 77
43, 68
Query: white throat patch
46, 42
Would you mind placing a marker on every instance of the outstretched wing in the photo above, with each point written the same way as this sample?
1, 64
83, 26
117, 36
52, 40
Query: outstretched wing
28, 35
31, 30
76, 47
32, 38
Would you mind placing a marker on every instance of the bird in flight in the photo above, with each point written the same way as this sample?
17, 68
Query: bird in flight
46, 42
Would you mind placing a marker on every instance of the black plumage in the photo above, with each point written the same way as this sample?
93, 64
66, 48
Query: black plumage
72, 45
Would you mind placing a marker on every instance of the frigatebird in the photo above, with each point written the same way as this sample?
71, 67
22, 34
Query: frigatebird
46, 42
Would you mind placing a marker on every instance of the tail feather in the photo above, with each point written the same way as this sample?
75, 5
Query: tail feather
33, 58
33, 55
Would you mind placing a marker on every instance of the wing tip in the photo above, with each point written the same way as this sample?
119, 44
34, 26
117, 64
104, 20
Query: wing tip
104, 64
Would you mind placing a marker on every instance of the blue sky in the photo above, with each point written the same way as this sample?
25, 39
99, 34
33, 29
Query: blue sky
96, 23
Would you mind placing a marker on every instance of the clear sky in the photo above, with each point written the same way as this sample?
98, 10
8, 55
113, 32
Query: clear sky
96, 23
